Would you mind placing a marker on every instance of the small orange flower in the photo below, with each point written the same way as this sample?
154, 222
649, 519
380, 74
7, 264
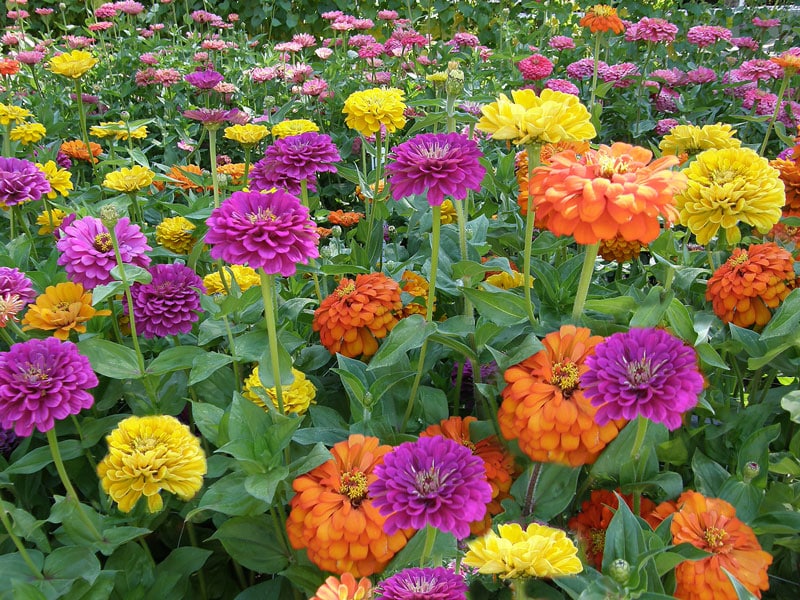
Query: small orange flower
357, 314
784, 233
8, 66
602, 18
332, 515
179, 179
544, 406
372, 193
344, 588
417, 286
76, 149
789, 170
324, 232
711, 525
500, 468
751, 282
233, 170
620, 249
62, 308
344, 219
788, 61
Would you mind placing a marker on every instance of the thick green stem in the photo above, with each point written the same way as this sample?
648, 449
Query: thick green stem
530, 495
596, 57
775, 114
586, 278
267, 290
641, 432
533, 151
82, 119
430, 539
212, 149
23, 551
519, 590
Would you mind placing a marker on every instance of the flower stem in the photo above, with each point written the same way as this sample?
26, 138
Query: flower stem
533, 151
23, 551
586, 278
212, 150
641, 432
775, 114
530, 502
267, 290
304, 201
519, 590
596, 57
82, 119
430, 539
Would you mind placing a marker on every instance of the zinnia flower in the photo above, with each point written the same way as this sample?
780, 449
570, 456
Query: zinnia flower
20, 181
76, 149
13, 115
271, 231
60, 180
303, 156
418, 287
601, 18
15, 282
129, 180
434, 481
179, 176
247, 135
727, 187
750, 283
333, 516
119, 130
27, 133
150, 454
62, 308
368, 110
545, 407
176, 234
293, 127
435, 164
513, 552
432, 583
72, 64
244, 277
204, 80
344, 588
620, 250
535, 67
691, 139
297, 396
41, 381
711, 525
344, 219
357, 314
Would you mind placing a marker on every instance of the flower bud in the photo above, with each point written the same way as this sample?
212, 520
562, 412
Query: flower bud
109, 216
455, 82
125, 115
750, 471
620, 571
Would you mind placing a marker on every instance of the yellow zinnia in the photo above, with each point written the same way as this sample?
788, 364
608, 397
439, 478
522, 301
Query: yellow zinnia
150, 454
13, 115
296, 396
727, 187
72, 64
28, 133
449, 214
293, 127
367, 110
62, 308
691, 139
48, 220
551, 117
538, 551
118, 130
245, 278
247, 135
129, 180
60, 179
176, 235
507, 281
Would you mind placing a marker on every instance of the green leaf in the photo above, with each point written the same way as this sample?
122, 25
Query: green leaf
745, 498
498, 306
251, 542
444, 545
228, 496
624, 538
37, 459
681, 321
102, 292
710, 357
207, 418
205, 365
264, 485
791, 403
619, 452
408, 334
709, 476
72, 562
618, 307
133, 274
653, 308
554, 490
786, 319
265, 373
778, 522
172, 574
111, 359
742, 593
174, 359
434, 404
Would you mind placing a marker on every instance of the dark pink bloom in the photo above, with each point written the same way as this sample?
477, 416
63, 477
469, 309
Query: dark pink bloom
652, 30
303, 156
204, 80
745, 42
671, 77
664, 101
30, 57
760, 69
15, 283
701, 75
621, 74
561, 42
535, 67
664, 126
562, 85
766, 23
707, 35
584, 68
20, 181
170, 303
428, 583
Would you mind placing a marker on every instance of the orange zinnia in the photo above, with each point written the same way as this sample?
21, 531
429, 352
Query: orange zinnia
332, 515
606, 192
751, 282
76, 149
711, 525
620, 249
357, 314
544, 406
344, 588
344, 219
233, 170
62, 308
789, 170
789, 61
602, 18
499, 464
9, 66
179, 179
546, 154
417, 286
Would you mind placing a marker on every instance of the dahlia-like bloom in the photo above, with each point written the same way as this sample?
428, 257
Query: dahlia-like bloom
584, 68
545, 407
706, 35
293, 127
497, 461
297, 396
15, 282
129, 180
13, 115
41, 381
72, 64
344, 588
434, 481
652, 30
234, 172
357, 314
417, 583
693, 139
179, 177
435, 164
60, 180
760, 69
642, 372
750, 283
211, 118
727, 187
528, 118
620, 250
664, 126
515, 553
247, 135
621, 74
418, 287
711, 525
87, 253
561, 42
28, 133
150, 454
9, 66
20, 181
119, 130
789, 61
245, 278
535, 67
303, 156
602, 18
76, 150
606, 192
268, 174
333, 516
789, 170
368, 110
344, 219
271, 231
62, 308
204, 80
176, 234
10, 307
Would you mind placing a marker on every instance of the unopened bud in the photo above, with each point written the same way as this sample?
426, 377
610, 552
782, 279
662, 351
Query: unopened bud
455, 82
109, 216
751, 471
620, 571
336, 231
125, 115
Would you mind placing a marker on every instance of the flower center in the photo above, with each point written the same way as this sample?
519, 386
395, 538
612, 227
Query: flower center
565, 376
601, 10
738, 259
428, 482
610, 165
346, 290
435, 151
263, 214
62, 306
102, 242
353, 484
597, 540
715, 538
723, 176
640, 372
35, 374
144, 444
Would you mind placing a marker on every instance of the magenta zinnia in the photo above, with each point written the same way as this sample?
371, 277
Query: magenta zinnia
423, 584
434, 481
14, 282
302, 156
41, 381
439, 164
642, 372
20, 181
270, 230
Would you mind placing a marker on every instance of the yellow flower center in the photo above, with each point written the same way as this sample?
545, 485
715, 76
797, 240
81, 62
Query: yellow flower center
715, 538
263, 214
610, 165
723, 176
346, 290
144, 444
565, 376
738, 259
102, 241
62, 306
601, 10
353, 484
35, 374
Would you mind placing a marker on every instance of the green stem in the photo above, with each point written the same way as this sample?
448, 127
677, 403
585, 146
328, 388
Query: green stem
533, 151
200, 575
7, 141
229, 334
519, 590
247, 150
775, 114
114, 321
212, 150
304, 200
82, 119
430, 539
267, 290
596, 56
24, 223
530, 495
23, 551
586, 278
641, 432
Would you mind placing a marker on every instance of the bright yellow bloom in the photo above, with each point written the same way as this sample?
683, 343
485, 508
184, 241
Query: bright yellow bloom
367, 110
176, 235
727, 187
507, 281
551, 117
118, 130
129, 180
296, 396
245, 278
691, 139
62, 308
293, 127
48, 220
449, 214
60, 179
13, 115
247, 135
538, 551
28, 133
150, 454
72, 64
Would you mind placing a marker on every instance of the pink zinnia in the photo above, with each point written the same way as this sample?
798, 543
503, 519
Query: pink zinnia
707, 35
562, 85
760, 69
701, 75
664, 101
664, 126
745, 42
620, 74
303, 156
535, 67
20, 181
561, 42
584, 68
671, 77
170, 303
652, 30
766, 23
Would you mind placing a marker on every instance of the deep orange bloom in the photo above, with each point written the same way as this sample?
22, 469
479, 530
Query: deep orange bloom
751, 282
332, 515
544, 406
602, 18
660, 513
76, 149
344, 219
357, 314
789, 170
62, 308
324, 232
417, 286
233, 170
9, 66
546, 154
711, 525
620, 249
784, 233
500, 467
596, 513
178, 174
606, 192
344, 588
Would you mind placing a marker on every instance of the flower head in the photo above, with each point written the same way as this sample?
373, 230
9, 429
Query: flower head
28, 133
654, 30
72, 64
418, 287
20, 181
245, 278
296, 396
789, 61
271, 231
620, 250
691, 139
119, 130
432, 583
535, 67
707, 35
178, 176
344, 588
176, 234
13, 115
303, 156
601, 18
128, 180
41, 381
62, 308
293, 127
60, 180
368, 110
150, 454
15, 282
204, 80
344, 219
357, 314
248, 135
76, 149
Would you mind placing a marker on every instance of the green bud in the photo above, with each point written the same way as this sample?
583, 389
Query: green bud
750, 471
455, 82
109, 216
620, 571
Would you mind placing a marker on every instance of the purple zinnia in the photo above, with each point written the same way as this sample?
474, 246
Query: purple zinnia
267, 174
211, 118
16, 283
642, 372
41, 381
87, 253
204, 80
434, 481
435, 164
20, 181
303, 156
423, 584
170, 303
270, 230
584, 68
